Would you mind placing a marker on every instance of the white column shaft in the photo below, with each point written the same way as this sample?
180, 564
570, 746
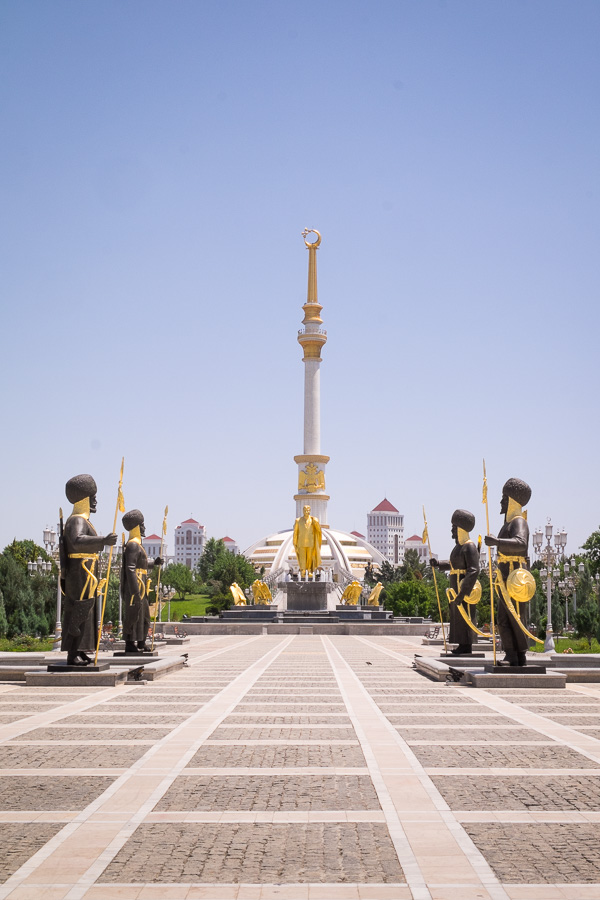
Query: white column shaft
312, 406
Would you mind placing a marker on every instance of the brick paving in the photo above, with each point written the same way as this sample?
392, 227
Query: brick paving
299, 707
534, 793
19, 841
137, 720
555, 853
295, 755
554, 757
259, 853
91, 756
470, 736
86, 733
482, 719
286, 720
297, 733
263, 781
22, 792
266, 792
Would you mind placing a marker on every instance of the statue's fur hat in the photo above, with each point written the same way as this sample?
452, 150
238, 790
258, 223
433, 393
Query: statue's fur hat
517, 489
80, 487
462, 518
132, 518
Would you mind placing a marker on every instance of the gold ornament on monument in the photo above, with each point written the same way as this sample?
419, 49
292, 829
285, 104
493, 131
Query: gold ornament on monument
311, 479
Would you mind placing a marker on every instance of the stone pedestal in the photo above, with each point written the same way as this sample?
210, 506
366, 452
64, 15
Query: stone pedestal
63, 667
306, 595
258, 612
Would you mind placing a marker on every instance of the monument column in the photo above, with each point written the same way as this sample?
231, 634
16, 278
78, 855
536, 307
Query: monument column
311, 464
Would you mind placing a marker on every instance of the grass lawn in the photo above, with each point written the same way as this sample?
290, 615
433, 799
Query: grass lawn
26, 644
193, 605
578, 645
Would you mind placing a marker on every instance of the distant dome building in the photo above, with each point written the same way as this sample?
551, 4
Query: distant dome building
344, 557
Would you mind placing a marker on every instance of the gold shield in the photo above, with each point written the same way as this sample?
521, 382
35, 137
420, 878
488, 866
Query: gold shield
520, 585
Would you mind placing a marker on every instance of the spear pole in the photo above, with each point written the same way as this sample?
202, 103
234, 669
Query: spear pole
157, 589
487, 523
120, 506
437, 593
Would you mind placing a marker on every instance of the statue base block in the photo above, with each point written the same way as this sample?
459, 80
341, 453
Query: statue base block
516, 670
63, 667
462, 656
306, 595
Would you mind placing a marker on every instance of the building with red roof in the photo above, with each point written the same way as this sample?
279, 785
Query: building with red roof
190, 538
151, 544
230, 545
415, 542
385, 531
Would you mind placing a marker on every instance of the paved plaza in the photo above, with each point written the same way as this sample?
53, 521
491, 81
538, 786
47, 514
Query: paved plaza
300, 767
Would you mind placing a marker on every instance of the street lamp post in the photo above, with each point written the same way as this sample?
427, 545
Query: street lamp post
550, 574
573, 573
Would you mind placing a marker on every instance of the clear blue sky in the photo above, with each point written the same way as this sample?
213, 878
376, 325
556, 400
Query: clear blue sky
159, 161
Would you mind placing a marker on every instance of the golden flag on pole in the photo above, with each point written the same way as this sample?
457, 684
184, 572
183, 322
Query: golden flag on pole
120, 497
437, 593
157, 610
491, 571
120, 507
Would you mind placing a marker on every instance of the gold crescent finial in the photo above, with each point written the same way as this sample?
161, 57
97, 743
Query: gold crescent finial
311, 244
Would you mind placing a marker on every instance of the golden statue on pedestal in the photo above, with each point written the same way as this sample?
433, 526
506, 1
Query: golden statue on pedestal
352, 593
239, 598
374, 595
307, 542
261, 593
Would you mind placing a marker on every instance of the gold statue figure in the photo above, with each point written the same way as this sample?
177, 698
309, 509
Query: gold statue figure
261, 592
307, 542
238, 595
352, 593
374, 595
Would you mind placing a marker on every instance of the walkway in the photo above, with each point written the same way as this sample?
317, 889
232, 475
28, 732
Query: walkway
300, 768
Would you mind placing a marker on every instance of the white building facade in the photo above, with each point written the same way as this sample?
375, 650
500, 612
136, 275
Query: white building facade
190, 538
385, 531
151, 544
415, 542
231, 545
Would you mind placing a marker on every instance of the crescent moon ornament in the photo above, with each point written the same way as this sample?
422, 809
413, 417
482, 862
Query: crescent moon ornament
311, 244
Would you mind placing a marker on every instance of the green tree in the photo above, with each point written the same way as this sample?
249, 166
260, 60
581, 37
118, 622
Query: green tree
592, 552
213, 550
389, 573
412, 567
111, 612
371, 575
27, 551
3, 619
15, 585
585, 586
558, 614
179, 577
587, 621
409, 598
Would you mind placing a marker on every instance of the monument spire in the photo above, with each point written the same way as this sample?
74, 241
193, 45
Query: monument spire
311, 464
